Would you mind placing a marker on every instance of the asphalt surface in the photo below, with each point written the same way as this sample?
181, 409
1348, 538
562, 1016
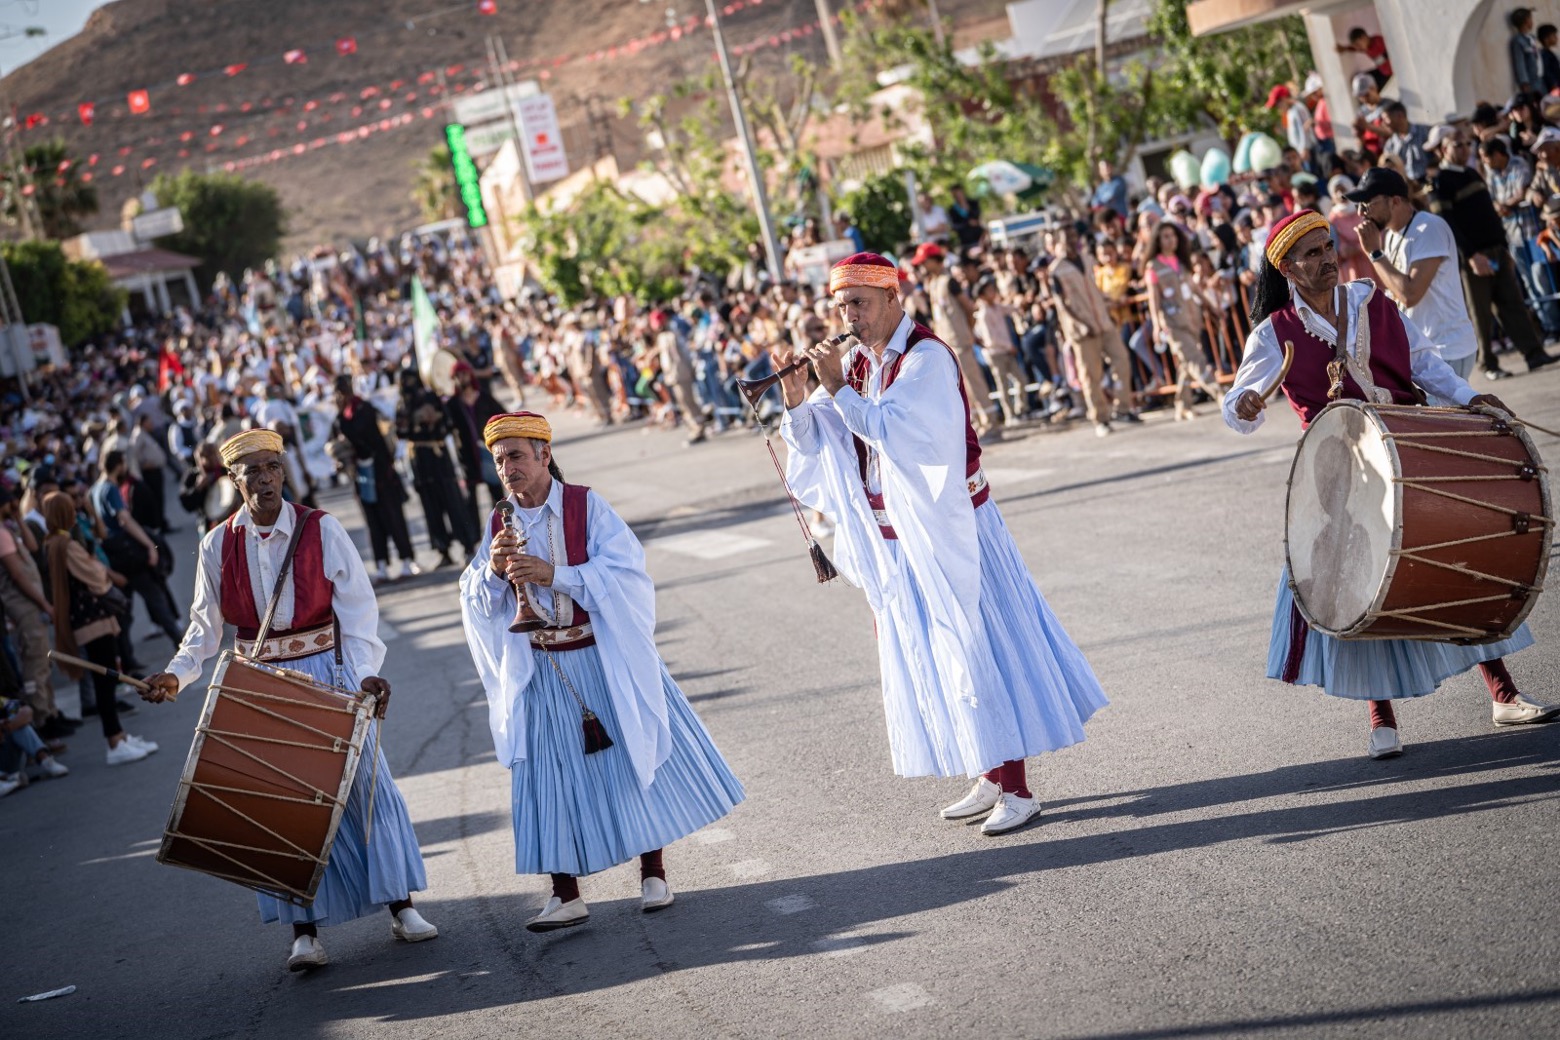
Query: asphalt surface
1218, 859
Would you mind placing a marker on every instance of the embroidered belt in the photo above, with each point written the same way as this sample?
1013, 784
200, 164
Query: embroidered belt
577, 637
288, 646
979, 488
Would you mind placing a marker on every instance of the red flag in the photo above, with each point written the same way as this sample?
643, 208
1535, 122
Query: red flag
63, 166
295, 58
217, 129
86, 110
487, 6
185, 79
140, 102
233, 70
34, 120
346, 45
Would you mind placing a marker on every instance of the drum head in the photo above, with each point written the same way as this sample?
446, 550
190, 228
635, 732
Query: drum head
1342, 518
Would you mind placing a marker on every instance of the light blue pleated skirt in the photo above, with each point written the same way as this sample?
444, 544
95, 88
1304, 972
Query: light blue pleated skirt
576, 813
1041, 694
1375, 669
359, 880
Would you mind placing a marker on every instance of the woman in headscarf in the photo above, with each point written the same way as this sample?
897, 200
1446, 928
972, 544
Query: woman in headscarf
86, 623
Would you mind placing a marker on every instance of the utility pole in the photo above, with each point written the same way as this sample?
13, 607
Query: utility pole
937, 25
831, 39
498, 58
755, 173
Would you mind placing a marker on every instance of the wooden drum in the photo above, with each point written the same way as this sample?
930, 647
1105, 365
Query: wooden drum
267, 777
1416, 523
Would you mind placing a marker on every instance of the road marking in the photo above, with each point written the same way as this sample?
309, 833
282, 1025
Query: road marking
711, 835
144, 844
791, 904
841, 945
1000, 475
750, 868
709, 545
116, 859
905, 996
388, 633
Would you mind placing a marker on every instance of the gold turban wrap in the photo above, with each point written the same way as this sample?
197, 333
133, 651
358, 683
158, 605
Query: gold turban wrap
1291, 230
516, 424
864, 269
236, 447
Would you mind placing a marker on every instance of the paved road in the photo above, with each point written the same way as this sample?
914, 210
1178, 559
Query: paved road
1219, 859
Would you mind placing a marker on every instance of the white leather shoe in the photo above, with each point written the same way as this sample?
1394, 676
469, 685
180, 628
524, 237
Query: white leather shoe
409, 925
126, 751
1384, 743
52, 769
1522, 712
654, 894
558, 914
306, 953
980, 801
1011, 813
149, 746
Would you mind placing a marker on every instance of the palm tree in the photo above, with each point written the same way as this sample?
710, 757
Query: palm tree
435, 189
49, 182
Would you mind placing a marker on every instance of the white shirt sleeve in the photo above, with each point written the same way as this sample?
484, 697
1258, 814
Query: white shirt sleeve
1259, 367
203, 637
1435, 376
799, 428
352, 597
920, 384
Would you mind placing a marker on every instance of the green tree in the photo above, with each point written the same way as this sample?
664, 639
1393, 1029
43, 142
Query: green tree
229, 223
49, 183
881, 210
605, 244
76, 296
435, 190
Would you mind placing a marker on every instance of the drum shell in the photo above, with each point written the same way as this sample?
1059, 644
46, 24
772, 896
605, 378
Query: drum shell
271, 825
1412, 597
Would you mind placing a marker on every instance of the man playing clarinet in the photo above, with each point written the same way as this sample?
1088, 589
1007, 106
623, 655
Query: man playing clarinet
607, 759
1300, 300
326, 625
978, 674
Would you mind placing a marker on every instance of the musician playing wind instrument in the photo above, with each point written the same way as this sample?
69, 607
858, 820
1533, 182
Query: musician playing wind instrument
978, 674
606, 757
326, 625
1300, 301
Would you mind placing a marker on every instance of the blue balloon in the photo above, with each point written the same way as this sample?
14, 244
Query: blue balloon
1243, 152
1215, 168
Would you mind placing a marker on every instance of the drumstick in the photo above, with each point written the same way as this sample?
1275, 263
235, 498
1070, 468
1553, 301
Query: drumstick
1283, 373
128, 680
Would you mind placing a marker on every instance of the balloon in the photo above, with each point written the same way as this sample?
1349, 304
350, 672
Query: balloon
1243, 152
1265, 153
1215, 168
1184, 168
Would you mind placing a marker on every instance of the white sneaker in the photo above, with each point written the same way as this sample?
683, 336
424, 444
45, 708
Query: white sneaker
8, 783
654, 894
1011, 813
980, 801
306, 953
410, 926
149, 746
381, 574
558, 914
125, 752
52, 769
409, 569
1522, 711
1384, 743
1103, 429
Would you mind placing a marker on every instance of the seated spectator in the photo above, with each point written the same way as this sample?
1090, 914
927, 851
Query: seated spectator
1373, 47
21, 748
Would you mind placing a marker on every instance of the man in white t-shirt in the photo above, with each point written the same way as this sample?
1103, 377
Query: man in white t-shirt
1416, 263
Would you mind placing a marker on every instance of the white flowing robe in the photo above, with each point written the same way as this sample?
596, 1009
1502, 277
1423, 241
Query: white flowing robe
615, 588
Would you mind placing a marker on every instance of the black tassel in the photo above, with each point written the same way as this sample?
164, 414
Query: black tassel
821, 564
596, 738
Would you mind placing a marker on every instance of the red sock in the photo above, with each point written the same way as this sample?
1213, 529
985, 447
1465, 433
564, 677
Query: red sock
994, 775
1381, 714
1503, 688
566, 887
650, 865
1013, 780
399, 905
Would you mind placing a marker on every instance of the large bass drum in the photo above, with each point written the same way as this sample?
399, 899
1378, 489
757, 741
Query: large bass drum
1416, 523
267, 778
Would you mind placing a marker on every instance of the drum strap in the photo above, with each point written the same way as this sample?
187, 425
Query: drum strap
1337, 369
281, 579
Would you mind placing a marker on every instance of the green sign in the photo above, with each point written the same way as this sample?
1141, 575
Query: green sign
466, 175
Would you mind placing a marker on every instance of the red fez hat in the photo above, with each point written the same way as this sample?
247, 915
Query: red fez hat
868, 269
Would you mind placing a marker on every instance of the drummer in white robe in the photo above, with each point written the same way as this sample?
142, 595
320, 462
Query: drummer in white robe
326, 580
1300, 300
978, 674
582, 803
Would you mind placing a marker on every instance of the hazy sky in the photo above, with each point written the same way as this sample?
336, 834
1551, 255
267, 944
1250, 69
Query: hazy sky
62, 18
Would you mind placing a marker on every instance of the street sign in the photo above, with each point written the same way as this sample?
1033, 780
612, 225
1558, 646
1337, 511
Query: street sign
157, 223
473, 110
466, 177
541, 140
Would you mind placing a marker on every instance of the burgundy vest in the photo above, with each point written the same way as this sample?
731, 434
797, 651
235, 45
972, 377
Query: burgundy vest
311, 589
1307, 383
861, 370
575, 551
